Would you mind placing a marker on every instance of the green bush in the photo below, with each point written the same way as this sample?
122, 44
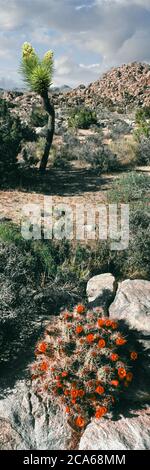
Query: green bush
142, 114
130, 187
38, 117
12, 136
10, 139
82, 118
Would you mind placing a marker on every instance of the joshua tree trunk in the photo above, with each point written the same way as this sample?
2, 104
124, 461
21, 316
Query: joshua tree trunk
49, 108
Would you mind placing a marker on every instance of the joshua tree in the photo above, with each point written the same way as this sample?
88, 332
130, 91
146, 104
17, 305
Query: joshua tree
38, 74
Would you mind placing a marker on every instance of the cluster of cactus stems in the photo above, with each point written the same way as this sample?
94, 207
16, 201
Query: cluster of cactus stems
83, 364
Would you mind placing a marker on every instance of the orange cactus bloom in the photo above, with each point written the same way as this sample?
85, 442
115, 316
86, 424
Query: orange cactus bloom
44, 366
100, 390
66, 393
64, 374
67, 409
122, 372
101, 322
80, 308
80, 422
129, 377
114, 357
90, 338
134, 355
81, 393
101, 343
108, 323
74, 393
79, 329
115, 383
73, 401
42, 347
114, 325
101, 411
120, 341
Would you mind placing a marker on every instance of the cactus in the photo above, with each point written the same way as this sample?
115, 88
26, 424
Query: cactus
84, 365
37, 75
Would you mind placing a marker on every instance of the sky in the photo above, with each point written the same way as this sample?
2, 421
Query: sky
87, 36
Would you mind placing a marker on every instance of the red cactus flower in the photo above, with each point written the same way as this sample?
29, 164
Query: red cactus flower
44, 366
100, 390
80, 308
114, 357
90, 338
115, 383
120, 341
80, 422
122, 372
134, 355
64, 374
79, 329
129, 377
101, 322
101, 343
42, 347
101, 411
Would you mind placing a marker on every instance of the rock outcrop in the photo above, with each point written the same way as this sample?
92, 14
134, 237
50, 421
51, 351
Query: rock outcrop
128, 84
127, 433
132, 304
101, 290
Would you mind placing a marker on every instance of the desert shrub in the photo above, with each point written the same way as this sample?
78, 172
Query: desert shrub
31, 152
84, 364
10, 139
97, 154
13, 135
143, 150
38, 117
126, 151
130, 187
142, 114
82, 118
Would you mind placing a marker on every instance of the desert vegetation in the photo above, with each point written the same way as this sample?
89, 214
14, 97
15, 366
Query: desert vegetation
90, 149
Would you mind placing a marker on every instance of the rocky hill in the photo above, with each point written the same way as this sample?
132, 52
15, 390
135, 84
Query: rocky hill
122, 89
128, 84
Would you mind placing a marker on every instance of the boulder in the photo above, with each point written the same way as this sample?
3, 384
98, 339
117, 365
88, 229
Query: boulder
127, 433
9, 438
132, 304
101, 290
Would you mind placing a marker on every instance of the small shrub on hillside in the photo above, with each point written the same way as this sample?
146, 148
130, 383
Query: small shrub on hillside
38, 117
84, 364
142, 114
82, 118
126, 152
130, 187
143, 150
10, 139
97, 154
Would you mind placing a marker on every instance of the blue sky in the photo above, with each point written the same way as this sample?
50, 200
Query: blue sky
87, 36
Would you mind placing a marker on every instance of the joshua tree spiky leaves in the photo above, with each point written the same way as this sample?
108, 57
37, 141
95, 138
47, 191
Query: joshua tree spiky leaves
38, 74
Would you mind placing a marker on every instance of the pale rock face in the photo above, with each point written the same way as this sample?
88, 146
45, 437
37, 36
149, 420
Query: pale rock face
132, 433
132, 304
101, 290
9, 438
26, 423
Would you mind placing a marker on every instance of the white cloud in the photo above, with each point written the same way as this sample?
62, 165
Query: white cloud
107, 32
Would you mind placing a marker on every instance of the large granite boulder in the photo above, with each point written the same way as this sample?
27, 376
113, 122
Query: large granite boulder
132, 307
127, 433
132, 304
9, 438
101, 290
